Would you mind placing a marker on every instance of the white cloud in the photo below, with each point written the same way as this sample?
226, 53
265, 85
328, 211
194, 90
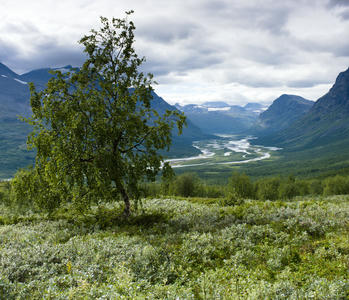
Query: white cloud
199, 50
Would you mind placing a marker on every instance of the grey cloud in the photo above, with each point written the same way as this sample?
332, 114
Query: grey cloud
337, 49
20, 28
7, 50
44, 55
345, 14
59, 56
181, 65
252, 80
42, 50
266, 56
342, 50
305, 83
209, 36
219, 6
333, 3
165, 31
270, 16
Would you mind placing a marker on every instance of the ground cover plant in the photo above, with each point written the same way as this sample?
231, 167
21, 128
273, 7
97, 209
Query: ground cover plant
189, 248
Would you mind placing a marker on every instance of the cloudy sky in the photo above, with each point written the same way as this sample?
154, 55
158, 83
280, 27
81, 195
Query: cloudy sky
236, 51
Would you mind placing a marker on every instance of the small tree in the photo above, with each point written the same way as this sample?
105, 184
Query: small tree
186, 185
95, 132
240, 186
268, 188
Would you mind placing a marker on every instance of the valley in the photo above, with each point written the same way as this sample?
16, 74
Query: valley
204, 155
224, 150
299, 136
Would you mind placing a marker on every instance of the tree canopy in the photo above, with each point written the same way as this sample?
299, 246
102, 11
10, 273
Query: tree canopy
95, 130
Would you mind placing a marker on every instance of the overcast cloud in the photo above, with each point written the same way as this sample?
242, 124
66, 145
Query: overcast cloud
199, 50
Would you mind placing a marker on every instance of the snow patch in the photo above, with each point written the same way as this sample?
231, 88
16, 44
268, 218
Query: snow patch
63, 70
20, 81
218, 108
4, 76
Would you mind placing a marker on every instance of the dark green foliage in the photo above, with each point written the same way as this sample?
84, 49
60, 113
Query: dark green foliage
315, 187
95, 132
338, 185
268, 189
288, 188
168, 176
186, 185
5, 192
29, 189
241, 186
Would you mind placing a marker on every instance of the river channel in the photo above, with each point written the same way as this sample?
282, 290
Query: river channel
224, 150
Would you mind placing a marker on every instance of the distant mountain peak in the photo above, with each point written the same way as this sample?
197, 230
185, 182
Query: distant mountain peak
215, 104
324, 124
6, 71
337, 98
283, 112
293, 98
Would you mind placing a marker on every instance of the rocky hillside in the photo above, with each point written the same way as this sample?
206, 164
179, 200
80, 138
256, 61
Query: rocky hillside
284, 111
325, 124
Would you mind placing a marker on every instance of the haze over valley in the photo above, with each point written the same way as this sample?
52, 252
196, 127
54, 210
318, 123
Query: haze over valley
211, 126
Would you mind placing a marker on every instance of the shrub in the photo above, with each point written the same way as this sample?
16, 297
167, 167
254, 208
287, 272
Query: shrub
268, 189
316, 187
240, 186
29, 189
186, 185
338, 185
289, 188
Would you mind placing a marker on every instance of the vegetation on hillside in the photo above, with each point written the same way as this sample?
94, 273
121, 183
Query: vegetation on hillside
241, 186
193, 248
66, 228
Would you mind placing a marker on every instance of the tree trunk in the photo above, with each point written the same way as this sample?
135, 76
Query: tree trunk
125, 197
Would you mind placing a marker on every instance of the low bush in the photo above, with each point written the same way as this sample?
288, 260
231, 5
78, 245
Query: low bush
268, 189
180, 249
337, 185
185, 185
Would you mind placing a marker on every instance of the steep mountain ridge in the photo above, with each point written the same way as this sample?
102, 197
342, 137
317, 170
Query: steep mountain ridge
6, 71
14, 102
324, 124
282, 113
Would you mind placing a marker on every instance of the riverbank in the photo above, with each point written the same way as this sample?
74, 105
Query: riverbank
224, 150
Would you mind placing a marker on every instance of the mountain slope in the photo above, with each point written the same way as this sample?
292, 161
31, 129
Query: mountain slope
14, 102
220, 117
282, 113
181, 144
325, 124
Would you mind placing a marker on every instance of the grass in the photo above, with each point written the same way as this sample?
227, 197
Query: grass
185, 248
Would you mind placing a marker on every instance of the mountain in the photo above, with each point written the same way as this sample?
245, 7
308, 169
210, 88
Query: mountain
182, 144
14, 102
255, 107
7, 72
325, 125
220, 117
215, 104
284, 111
